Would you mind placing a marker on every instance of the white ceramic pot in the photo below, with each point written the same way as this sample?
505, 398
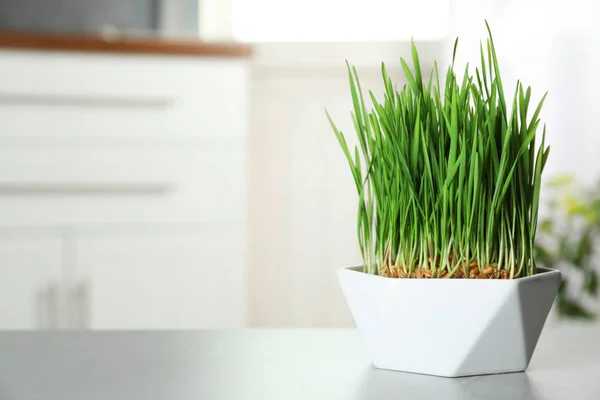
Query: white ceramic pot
450, 327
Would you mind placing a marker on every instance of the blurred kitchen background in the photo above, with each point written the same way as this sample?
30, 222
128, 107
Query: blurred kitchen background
167, 164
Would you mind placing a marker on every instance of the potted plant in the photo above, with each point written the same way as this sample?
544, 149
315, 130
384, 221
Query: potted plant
448, 181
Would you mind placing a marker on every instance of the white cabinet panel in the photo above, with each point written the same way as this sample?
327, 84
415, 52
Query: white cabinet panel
167, 280
31, 295
97, 186
99, 95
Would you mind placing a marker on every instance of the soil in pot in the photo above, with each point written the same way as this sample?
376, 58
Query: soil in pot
389, 270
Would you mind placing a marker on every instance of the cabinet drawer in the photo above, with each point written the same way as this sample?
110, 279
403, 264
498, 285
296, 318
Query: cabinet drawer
80, 95
42, 187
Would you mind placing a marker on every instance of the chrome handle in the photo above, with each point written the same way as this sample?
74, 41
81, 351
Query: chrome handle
81, 188
74, 308
44, 308
94, 101
53, 310
85, 288
79, 306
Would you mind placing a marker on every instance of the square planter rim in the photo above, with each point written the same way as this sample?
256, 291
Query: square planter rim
540, 271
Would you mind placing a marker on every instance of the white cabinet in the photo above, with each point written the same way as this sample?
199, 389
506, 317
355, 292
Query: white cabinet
31, 284
175, 279
55, 95
135, 167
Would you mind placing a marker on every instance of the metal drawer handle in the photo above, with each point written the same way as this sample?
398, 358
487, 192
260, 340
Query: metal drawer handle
85, 101
32, 189
85, 304
79, 307
49, 307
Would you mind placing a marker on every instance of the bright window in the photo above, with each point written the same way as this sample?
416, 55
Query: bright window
339, 20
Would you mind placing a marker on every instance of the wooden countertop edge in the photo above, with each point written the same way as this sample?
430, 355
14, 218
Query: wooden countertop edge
121, 44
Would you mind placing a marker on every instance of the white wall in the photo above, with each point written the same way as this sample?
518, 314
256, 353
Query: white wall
302, 211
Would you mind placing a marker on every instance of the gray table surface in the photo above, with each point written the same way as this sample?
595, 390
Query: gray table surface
269, 364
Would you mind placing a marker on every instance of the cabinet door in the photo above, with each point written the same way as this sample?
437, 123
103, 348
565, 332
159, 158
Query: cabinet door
171, 279
30, 286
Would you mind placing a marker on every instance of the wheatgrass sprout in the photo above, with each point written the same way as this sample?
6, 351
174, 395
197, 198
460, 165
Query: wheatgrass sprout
448, 178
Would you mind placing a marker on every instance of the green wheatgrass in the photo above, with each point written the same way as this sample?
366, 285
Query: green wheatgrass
452, 176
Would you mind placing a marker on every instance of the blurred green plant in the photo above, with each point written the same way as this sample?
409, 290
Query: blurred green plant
567, 240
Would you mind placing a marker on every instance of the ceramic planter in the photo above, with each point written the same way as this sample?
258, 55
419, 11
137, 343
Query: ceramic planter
450, 327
